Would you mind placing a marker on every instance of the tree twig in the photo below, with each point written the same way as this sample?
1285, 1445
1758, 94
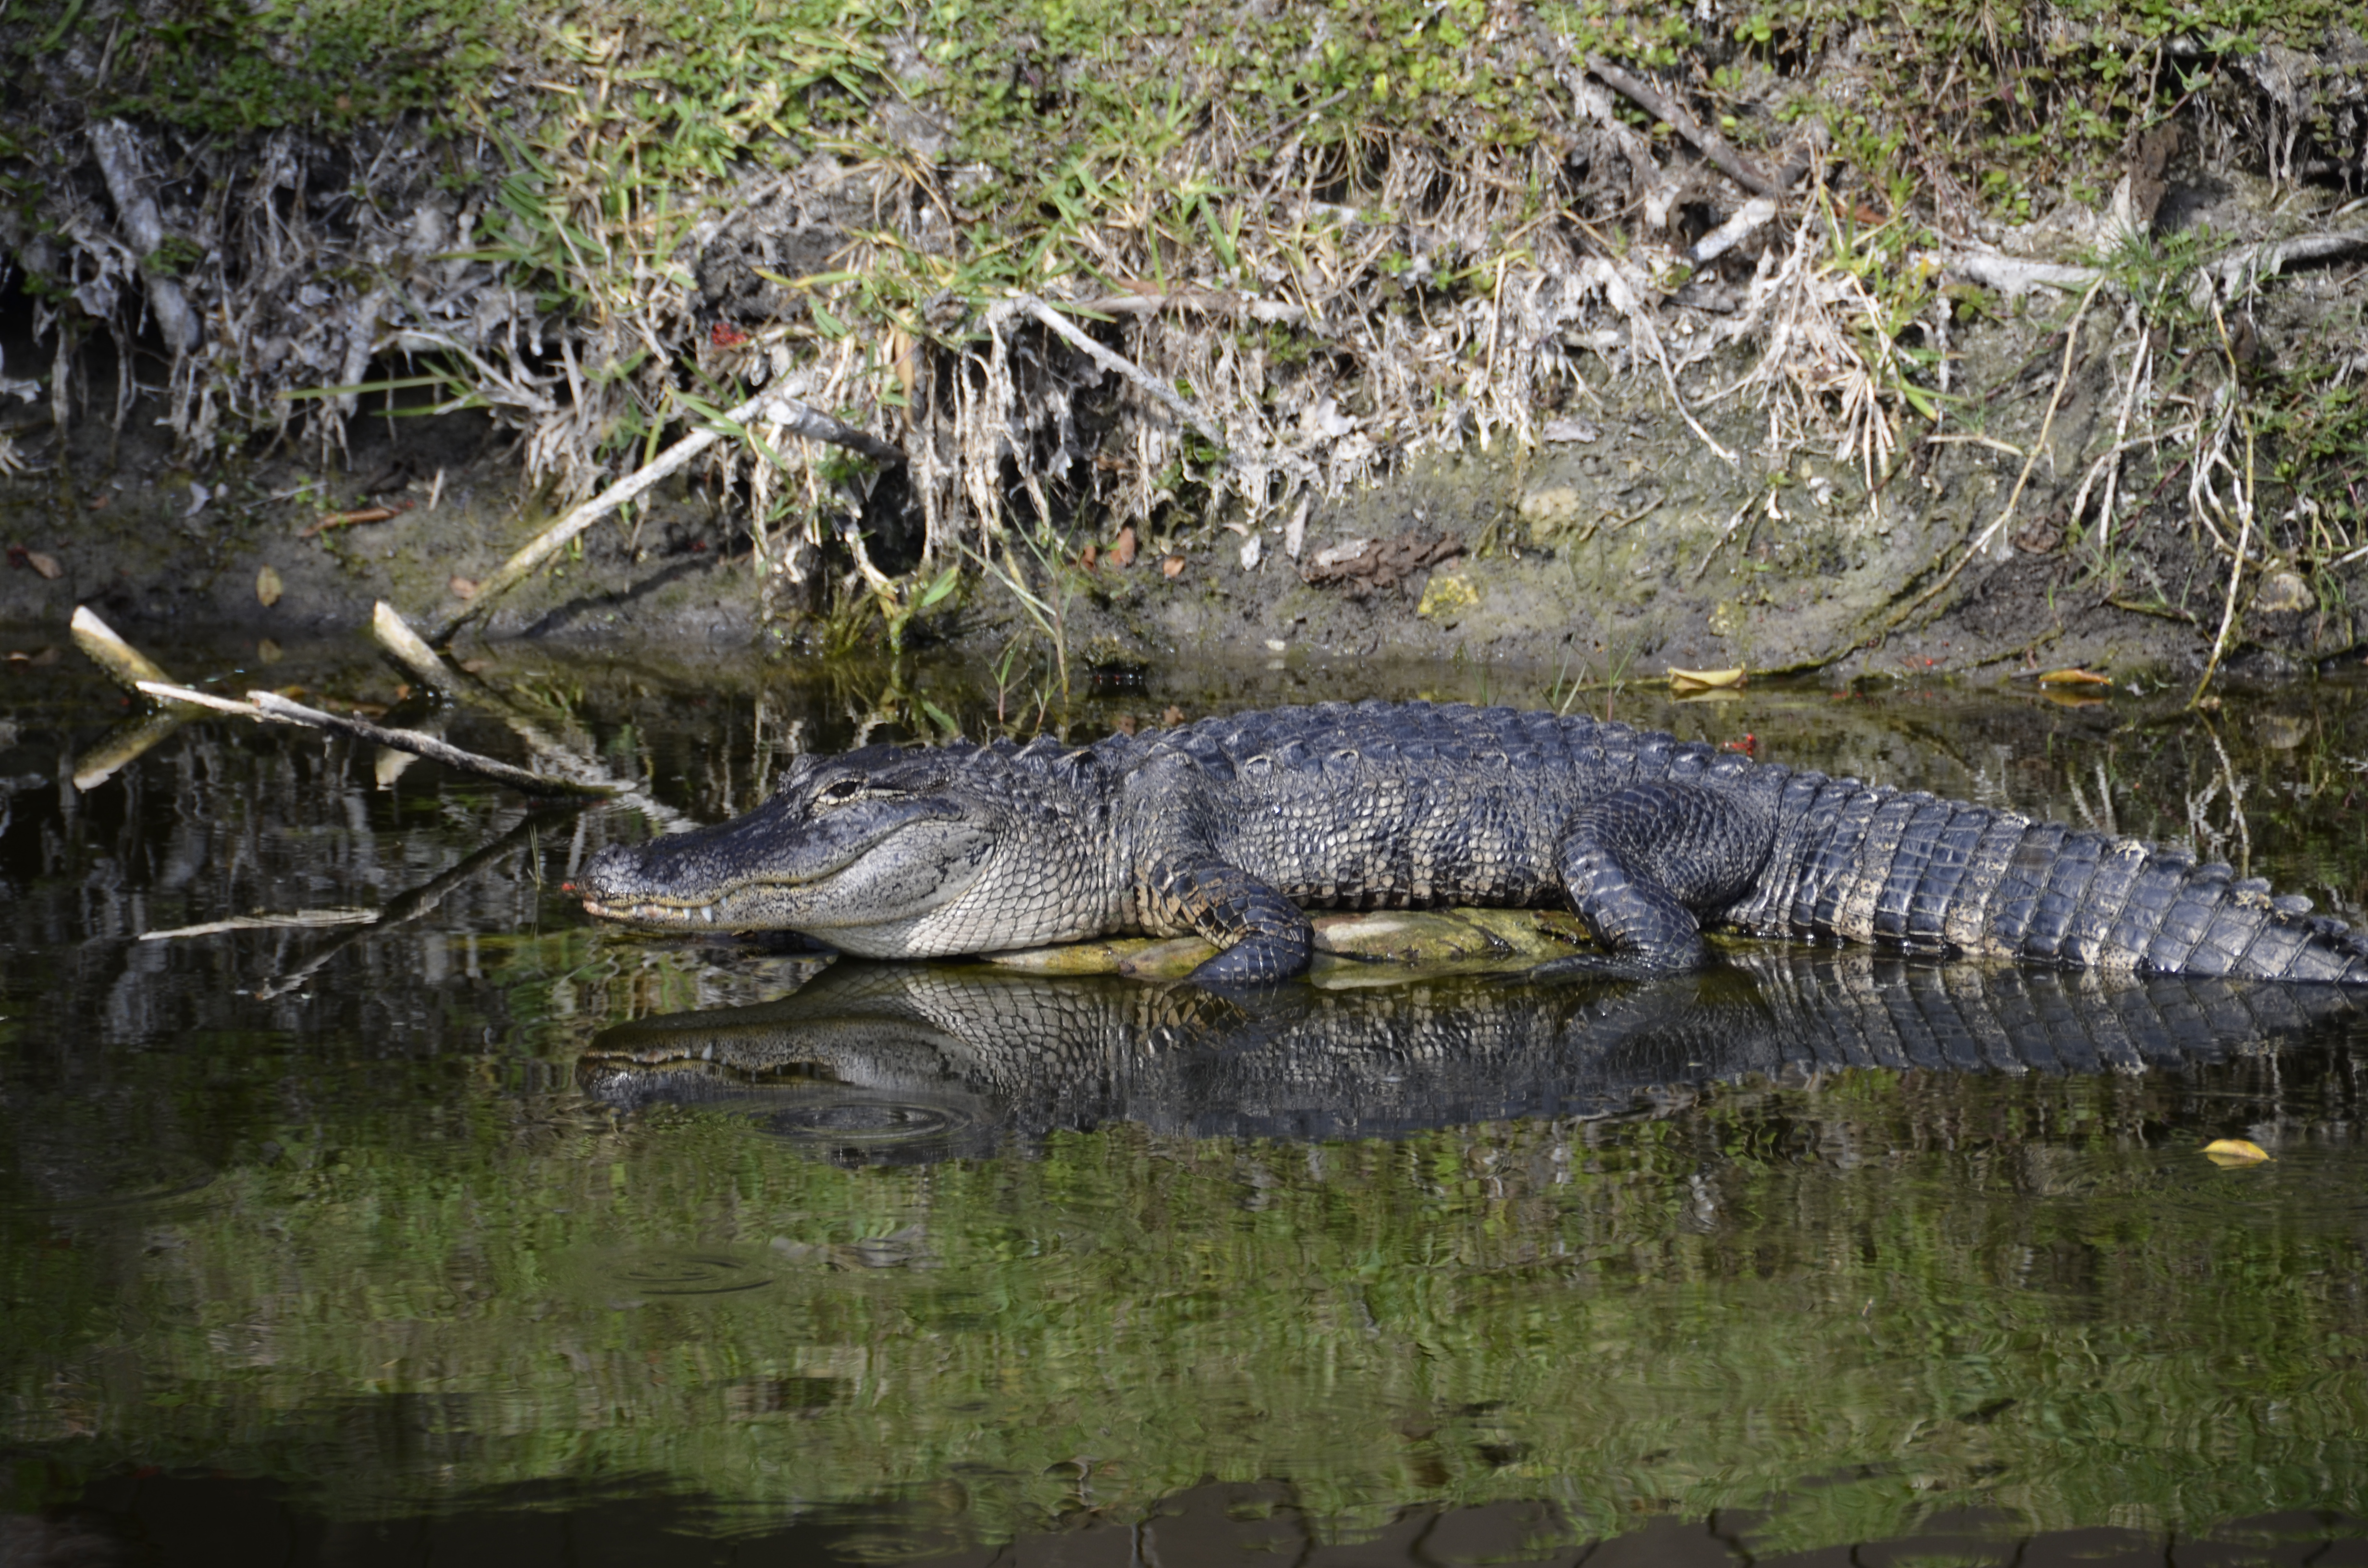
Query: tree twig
1708, 142
98, 641
1120, 366
269, 706
769, 407
559, 753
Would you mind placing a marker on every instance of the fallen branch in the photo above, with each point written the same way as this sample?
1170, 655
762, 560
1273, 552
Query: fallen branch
564, 760
2256, 262
131, 668
1116, 364
1211, 301
2233, 272
303, 920
768, 407
2013, 275
271, 707
126, 743
1667, 110
410, 650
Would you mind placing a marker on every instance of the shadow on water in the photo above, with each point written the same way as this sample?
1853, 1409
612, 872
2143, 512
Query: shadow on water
200, 1522
359, 1200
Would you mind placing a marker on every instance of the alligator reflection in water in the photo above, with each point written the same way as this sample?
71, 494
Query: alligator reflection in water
901, 1062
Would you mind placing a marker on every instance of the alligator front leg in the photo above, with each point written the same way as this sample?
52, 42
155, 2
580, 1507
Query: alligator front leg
1645, 863
1264, 935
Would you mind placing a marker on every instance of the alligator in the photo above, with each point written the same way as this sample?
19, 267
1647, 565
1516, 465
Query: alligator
897, 1063
1231, 828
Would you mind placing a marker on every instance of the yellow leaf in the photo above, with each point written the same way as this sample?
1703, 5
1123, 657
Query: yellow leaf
1704, 680
2075, 678
268, 587
2235, 1152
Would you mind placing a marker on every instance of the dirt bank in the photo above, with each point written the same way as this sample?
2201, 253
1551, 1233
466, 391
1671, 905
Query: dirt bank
1790, 401
1620, 545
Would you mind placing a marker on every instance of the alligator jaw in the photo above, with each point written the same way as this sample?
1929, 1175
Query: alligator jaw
666, 916
869, 879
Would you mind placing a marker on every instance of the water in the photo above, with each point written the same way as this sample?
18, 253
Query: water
406, 1233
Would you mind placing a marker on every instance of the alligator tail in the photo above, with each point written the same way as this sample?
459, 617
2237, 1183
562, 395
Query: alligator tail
1909, 871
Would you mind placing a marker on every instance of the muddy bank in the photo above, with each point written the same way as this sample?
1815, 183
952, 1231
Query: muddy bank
1620, 545
1924, 362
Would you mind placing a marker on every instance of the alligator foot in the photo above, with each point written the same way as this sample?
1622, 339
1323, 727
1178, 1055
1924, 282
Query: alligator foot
1644, 862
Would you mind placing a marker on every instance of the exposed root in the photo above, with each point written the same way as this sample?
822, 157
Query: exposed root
2014, 496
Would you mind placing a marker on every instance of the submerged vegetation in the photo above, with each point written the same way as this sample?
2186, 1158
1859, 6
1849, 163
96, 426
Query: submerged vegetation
1084, 266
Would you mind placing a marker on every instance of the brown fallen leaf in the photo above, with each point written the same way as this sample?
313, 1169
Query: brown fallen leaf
1124, 551
1173, 717
268, 587
2075, 678
267, 652
47, 565
2235, 1152
1171, 567
1705, 680
463, 588
1090, 556
472, 667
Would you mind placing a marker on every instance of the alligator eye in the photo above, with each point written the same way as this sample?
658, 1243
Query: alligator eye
839, 791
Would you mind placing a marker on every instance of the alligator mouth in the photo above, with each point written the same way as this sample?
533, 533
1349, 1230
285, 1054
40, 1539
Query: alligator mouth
648, 908
686, 917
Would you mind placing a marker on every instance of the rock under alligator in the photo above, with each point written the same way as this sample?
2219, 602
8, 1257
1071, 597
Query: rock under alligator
1230, 827
878, 1062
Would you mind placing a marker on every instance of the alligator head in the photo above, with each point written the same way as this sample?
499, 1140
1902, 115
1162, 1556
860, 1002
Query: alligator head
887, 852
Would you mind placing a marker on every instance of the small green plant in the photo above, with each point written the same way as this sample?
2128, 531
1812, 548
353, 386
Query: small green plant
1047, 609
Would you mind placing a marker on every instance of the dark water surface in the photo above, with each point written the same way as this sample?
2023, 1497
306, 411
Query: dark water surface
430, 1229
